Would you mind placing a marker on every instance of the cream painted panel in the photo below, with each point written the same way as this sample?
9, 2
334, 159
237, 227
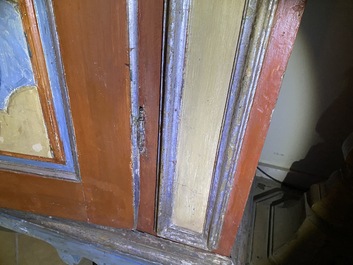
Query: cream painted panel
212, 39
22, 126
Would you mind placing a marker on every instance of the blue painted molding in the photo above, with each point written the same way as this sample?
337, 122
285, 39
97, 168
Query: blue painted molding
69, 170
105, 245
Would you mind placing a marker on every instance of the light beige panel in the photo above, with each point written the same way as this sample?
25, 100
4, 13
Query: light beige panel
22, 126
212, 39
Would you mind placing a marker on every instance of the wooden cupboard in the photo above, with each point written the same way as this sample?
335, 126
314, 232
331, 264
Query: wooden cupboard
154, 115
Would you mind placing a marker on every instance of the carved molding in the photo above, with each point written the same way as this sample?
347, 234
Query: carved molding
255, 29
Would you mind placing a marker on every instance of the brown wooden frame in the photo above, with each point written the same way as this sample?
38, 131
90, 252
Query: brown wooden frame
150, 57
88, 32
286, 23
283, 34
99, 90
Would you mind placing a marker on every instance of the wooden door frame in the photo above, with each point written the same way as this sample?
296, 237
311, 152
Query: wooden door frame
286, 21
150, 25
94, 44
283, 34
98, 178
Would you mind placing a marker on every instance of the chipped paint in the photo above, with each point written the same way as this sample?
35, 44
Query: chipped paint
37, 147
106, 245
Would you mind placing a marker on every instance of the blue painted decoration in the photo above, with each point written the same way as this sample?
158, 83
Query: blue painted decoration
49, 39
15, 63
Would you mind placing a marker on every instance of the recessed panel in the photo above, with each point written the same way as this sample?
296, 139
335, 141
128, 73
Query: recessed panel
35, 128
22, 124
213, 57
210, 53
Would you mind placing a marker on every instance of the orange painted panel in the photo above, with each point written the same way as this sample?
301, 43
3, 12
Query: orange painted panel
93, 41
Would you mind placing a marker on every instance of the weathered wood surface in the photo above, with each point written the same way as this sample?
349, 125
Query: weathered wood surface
94, 46
150, 57
105, 245
255, 31
286, 24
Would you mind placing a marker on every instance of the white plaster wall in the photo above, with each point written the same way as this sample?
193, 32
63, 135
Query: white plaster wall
322, 56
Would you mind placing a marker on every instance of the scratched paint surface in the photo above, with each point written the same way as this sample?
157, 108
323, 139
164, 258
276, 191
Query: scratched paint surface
15, 64
212, 39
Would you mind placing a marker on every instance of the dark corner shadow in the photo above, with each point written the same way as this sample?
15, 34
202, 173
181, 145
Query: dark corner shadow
326, 27
334, 126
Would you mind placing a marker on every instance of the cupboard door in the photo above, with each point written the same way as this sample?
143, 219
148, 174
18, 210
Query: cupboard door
214, 61
67, 147
223, 69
